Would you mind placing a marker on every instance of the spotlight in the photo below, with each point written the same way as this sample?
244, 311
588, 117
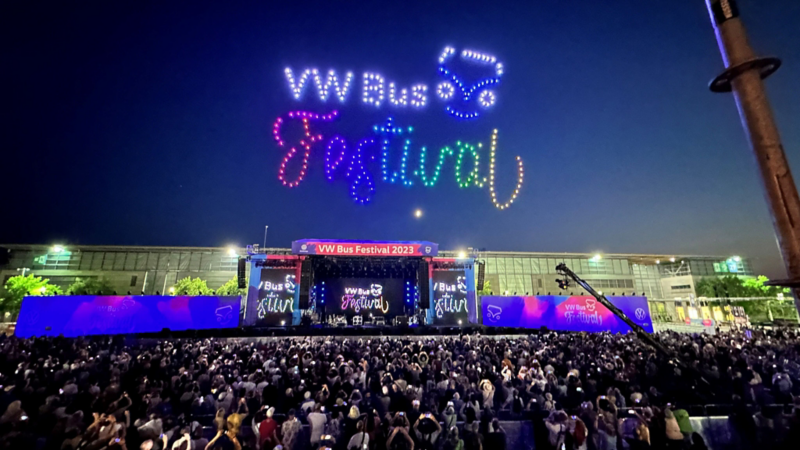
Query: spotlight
232, 251
459, 321
562, 284
57, 248
283, 322
672, 259
418, 213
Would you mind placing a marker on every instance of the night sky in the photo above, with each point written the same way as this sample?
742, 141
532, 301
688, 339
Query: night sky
150, 123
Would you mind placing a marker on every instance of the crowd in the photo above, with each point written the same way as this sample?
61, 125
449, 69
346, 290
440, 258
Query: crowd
583, 391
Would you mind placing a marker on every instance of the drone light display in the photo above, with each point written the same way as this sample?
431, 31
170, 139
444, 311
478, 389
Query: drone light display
401, 160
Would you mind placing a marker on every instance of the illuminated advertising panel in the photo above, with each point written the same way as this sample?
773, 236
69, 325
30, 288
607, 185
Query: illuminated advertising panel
364, 296
363, 248
573, 313
276, 293
449, 297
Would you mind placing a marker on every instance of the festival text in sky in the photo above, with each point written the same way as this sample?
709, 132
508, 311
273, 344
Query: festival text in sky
388, 152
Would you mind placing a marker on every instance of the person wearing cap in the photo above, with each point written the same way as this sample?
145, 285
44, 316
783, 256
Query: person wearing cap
308, 402
268, 430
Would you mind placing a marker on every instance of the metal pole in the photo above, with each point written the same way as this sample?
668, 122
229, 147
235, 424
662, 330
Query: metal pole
743, 76
266, 227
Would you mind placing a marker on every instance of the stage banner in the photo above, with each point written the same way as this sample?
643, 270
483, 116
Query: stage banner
363, 248
275, 302
450, 304
575, 313
82, 315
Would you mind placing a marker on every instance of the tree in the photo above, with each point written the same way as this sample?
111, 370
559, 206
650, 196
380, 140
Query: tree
487, 289
735, 287
20, 286
230, 289
90, 286
191, 286
756, 285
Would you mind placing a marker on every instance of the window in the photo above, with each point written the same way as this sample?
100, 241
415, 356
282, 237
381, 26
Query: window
133, 280
681, 287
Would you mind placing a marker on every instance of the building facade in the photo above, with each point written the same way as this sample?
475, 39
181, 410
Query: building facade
153, 270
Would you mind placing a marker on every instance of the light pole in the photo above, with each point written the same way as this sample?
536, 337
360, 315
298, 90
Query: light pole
23, 270
743, 75
266, 227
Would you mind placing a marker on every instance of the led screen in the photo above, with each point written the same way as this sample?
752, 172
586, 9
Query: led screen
365, 296
575, 313
82, 315
275, 303
449, 297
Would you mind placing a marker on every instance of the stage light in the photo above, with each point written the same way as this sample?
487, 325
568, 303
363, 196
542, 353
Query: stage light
418, 213
658, 261
232, 251
172, 290
57, 248
283, 322
506, 293
459, 321
515, 292
462, 255
42, 289
672, 259
737, 258
596, 257
562, 284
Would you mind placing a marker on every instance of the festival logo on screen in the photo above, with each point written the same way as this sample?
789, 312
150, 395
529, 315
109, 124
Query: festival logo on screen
465, 87
494, 313
276, 296
449, 296
357, 299
224, 314
580, 310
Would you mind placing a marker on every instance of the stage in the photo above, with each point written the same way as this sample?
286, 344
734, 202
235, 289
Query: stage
345, 284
